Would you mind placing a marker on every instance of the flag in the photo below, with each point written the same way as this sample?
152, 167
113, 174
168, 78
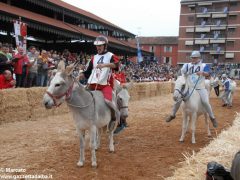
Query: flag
20, 30
218, 49
205, 10
202, 49
218, 23
203, 23
215, 35
139, 53
203, 36
225, 10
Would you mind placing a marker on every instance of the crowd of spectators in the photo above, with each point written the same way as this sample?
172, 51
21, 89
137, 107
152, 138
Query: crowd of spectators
149, 71
35, 68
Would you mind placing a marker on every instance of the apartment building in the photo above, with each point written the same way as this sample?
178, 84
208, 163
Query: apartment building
213, 28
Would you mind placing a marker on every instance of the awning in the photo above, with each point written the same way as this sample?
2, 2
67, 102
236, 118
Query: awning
44, 23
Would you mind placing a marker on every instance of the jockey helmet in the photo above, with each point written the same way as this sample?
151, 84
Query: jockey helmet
195, 54
224, 76
101, 40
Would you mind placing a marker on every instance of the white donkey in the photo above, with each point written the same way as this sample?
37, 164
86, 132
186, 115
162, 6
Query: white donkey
123, 97
192, 107
90, 112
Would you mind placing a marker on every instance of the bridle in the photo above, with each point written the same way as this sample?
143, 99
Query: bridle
181, 92
187, 95
119, 104
67, 95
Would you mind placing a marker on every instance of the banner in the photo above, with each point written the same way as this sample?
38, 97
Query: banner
139, 53
20, 31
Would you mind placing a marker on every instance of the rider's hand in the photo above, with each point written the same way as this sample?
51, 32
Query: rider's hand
200, 73
100, 66
81, 76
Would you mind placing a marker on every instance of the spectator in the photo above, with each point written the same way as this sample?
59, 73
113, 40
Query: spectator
33, 68
43, 69
6, 80
5, 59
21, 64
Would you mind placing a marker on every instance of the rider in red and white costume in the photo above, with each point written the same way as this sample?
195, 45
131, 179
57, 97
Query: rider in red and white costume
100, 73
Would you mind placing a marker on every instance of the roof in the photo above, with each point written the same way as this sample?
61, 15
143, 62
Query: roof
84, 13
57, 24
158, 40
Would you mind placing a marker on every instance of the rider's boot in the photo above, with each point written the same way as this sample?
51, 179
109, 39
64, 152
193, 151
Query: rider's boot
115, 115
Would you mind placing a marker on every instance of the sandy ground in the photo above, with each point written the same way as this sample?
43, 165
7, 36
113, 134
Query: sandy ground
147, 149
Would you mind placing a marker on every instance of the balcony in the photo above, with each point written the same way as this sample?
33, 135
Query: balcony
203, 15
202, 29
201, 41
216, 50
229, 55
217, 41
222, 27
190, 29
188, 43
219, 15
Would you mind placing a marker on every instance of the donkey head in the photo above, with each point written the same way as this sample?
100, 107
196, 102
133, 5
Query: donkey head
180, 84
60, 88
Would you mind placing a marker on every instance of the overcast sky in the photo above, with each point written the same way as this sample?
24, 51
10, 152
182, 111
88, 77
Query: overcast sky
140, 17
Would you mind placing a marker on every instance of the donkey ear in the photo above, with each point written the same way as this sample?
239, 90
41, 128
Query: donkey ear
117, 85
69, 69
128, 85
61, 66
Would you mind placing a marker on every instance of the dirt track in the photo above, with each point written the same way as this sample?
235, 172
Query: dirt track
147, 149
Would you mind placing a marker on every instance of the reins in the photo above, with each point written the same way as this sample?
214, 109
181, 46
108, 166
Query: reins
57, 97
185, 96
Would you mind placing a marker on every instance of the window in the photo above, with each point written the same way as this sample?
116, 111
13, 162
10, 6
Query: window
168, 60
230, 43
167, 48
232, 17
231, 30
233, 3
151, 48
191, 18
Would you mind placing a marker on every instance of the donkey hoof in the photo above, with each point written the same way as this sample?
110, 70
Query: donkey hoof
111, 149
181, 140
94, 164
80, 164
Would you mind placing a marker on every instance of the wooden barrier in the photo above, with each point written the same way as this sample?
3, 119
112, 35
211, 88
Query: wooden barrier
26, 104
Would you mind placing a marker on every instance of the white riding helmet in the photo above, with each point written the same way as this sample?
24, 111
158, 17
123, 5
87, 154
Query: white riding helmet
195, 54
224, 76
100, 40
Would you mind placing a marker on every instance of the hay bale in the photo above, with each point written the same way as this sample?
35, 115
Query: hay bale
222, 150
26, 104
14, 105
145, 90
35, 98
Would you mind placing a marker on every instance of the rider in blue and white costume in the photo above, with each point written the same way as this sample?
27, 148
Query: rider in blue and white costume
195, 73
227, 90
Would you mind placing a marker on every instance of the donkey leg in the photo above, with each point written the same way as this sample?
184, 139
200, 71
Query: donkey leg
111, 142
207, 124
93, 145
184, 127
194, 119
82, 148
98, 137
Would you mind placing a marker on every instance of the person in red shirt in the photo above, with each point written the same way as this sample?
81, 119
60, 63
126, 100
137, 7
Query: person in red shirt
21, 64
6, 80
120, 76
